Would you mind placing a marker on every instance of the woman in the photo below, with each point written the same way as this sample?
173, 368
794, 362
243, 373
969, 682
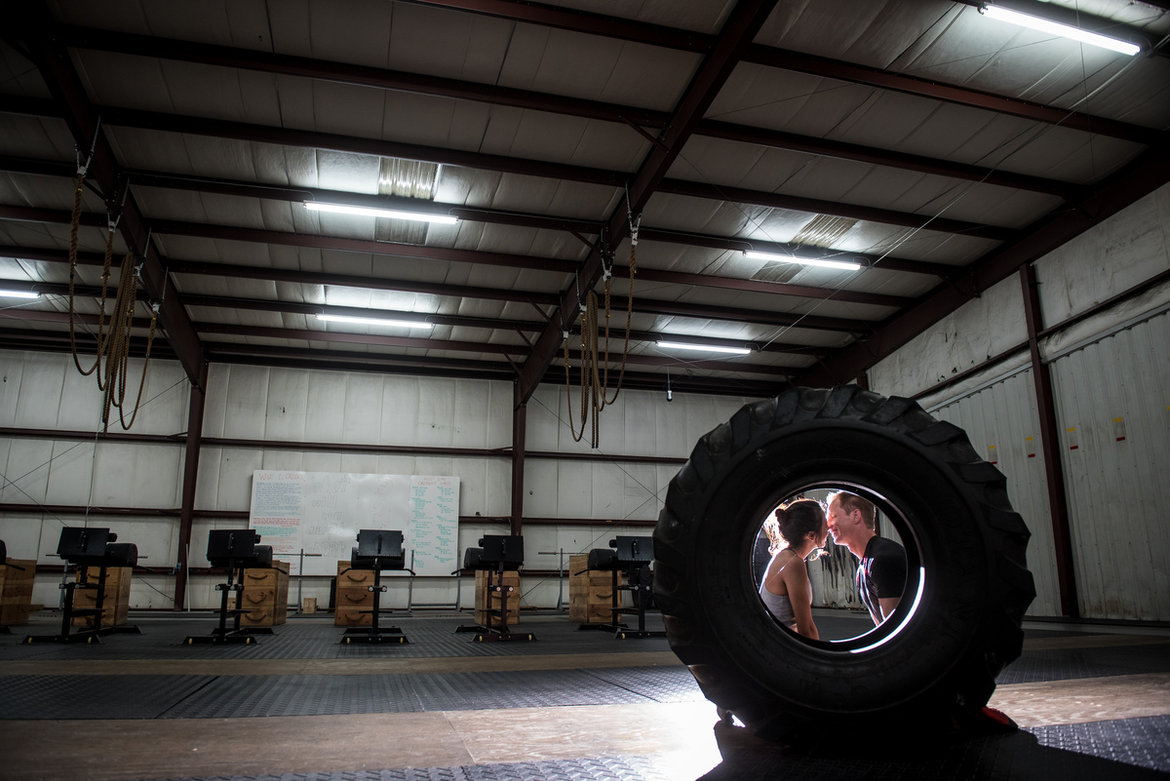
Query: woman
785, 589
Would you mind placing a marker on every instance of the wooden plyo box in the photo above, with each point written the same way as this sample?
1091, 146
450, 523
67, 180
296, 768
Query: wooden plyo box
591, 592
485, 601
16, 588
265, 597
353, 599
115, 601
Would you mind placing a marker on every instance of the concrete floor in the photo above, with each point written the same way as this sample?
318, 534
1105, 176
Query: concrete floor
51, 693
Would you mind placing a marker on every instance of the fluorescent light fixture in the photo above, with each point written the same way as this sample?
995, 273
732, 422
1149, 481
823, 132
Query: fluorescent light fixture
19, 294
845, 265
394, 214
376, 321
710, 348
1062, 30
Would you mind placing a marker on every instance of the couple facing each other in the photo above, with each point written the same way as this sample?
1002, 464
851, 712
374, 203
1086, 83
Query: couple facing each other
803, 528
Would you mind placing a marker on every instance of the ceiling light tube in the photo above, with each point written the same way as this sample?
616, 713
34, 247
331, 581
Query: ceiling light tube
1056, 28
711, 348
375, 321
5, 293
393, 214
845, 265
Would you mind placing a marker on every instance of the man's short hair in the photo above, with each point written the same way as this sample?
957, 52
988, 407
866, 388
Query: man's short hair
850, 502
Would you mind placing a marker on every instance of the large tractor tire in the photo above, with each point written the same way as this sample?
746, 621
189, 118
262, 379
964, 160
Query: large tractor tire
936, 658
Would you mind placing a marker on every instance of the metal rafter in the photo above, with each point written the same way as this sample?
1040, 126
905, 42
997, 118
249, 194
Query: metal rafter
742, 25
490, 216
642, 305
654, 35
31, 22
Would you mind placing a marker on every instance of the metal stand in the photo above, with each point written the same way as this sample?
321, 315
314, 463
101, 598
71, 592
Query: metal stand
633, 556
377, 550
221, 635
375, 633
234, 550
85, 547
496, 555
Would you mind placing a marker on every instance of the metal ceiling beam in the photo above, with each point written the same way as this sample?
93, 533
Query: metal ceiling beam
771, 288
32, 24
682, 381
345, 73
835, 208
885, 262
373, 247
244, 131
777, 139
317, 241
273, 274
1148, 172
376, 340
359, 75
582, 22
280, 136
653, 35
641, 305
823, 67
490, 216
742, 24
617, 333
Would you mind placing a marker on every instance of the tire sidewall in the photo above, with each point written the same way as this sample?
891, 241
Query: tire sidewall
939, 519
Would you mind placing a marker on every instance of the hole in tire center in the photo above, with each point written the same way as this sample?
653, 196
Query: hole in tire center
825, 569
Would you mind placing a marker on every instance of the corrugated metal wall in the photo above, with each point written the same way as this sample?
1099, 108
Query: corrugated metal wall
1002, 422
1112, 397
1113, 402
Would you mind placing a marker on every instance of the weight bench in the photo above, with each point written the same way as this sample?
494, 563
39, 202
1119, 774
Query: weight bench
376, 549
631, 555
234, 550
496, 555
84, 547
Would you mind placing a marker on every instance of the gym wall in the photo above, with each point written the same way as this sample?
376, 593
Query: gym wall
1109, 377
134, 487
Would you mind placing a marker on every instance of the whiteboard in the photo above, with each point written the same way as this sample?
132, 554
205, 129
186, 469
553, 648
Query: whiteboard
321, 512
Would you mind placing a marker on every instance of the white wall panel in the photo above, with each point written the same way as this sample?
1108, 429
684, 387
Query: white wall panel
346, 408
362, 413
12, 367
26, 465
287, 406
39, 393
1123, 251
981, 328
21, 533
236, 401
1113, 398
1003, 424
540, 488
137, 475
325, 407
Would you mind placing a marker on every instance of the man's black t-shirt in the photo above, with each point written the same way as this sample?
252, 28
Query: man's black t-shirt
882, 573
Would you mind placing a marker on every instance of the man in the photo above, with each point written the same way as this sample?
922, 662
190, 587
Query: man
881, 572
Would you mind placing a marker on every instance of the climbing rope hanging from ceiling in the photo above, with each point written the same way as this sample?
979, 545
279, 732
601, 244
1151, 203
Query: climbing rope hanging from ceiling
594, 367
113, 344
